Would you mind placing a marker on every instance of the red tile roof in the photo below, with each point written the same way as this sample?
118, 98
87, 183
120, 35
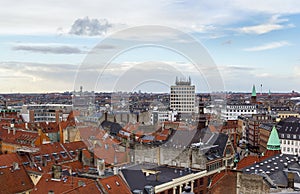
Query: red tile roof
9, 159
249, 160
66, 185
18, 137
14, 181
114, 184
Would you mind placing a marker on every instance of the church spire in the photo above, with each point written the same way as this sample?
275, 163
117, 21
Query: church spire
253, 91
274, 141
253, 95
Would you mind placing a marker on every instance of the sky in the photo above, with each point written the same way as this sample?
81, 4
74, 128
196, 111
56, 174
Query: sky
224, 45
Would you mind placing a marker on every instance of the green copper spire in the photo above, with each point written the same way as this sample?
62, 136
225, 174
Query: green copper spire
253, 91
274, 141
269, 92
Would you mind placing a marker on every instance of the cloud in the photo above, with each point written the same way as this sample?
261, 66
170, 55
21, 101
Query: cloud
47, 49
36, 77
90, 27
268, 46
274, 23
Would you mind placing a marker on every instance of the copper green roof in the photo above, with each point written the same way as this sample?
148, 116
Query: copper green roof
253, 91
274, 141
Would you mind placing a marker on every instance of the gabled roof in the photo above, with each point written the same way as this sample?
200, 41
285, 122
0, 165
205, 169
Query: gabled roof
14, 181
18, 137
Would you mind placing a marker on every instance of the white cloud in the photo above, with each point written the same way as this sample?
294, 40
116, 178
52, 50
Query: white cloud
37, 17
268, 46
275, 23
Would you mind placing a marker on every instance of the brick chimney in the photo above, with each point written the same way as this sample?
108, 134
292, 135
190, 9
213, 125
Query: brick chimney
31, 116
57, 120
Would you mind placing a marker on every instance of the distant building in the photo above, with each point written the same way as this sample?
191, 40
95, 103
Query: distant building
159, 116
45, 112
232, 111
182, 96
84, 102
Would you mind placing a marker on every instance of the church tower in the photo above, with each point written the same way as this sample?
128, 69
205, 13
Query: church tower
253, 95
273, 145
202, 122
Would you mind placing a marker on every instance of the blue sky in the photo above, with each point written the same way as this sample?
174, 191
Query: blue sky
44, 44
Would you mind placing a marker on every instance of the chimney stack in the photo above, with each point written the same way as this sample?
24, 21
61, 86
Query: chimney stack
105, 116
56, 172
291, 180
31, 116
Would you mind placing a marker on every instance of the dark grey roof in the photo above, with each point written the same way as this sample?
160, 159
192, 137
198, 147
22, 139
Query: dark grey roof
137, 180
277, 168
134, 178
266, 126
113, 127
289, 128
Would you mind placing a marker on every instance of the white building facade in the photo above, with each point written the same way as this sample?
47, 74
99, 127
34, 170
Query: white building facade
232, 111
182, 96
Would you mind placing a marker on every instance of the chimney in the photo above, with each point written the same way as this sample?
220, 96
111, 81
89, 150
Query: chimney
100, 166
14, 131
31, 116
202, 117
291, 180
116, 170
57, 116
105, 116
44, 161
16, 166
8, 130
56, 172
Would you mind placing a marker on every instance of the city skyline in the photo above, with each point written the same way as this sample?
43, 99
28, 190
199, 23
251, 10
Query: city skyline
45, 43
